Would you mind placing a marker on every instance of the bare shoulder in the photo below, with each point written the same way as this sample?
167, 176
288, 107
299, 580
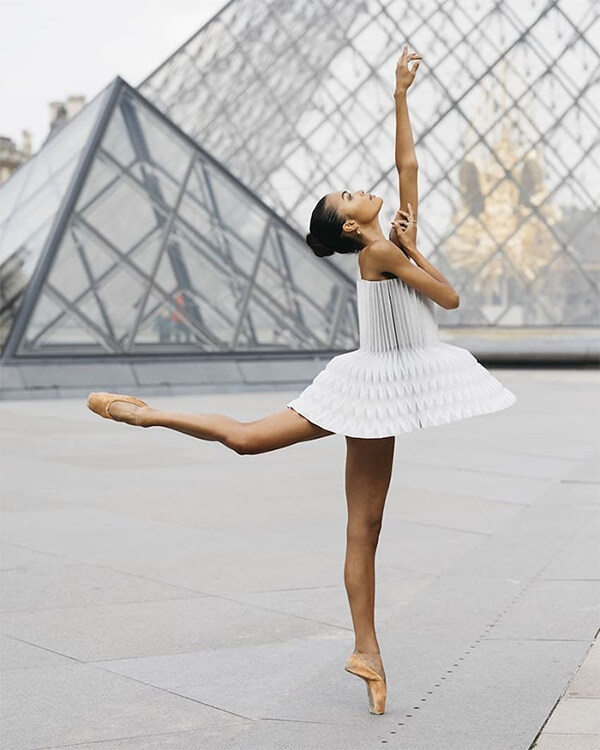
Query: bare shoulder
382, 256
383, 248
385, 257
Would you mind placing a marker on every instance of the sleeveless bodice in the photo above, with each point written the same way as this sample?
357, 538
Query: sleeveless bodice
394, 315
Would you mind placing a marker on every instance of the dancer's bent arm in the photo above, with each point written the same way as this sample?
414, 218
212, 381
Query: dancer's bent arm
424, 276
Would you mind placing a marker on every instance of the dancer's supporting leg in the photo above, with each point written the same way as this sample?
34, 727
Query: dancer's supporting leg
269, 433
368, 474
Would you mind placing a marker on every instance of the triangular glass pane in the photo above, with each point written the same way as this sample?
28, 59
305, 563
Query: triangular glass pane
15, 273
68, 272
72, 332
236, 210
117, 140
274, 329
46, 310
165, 277
91, 307
156, 181
171, 154
101, 175
99, 258
156, 327
177, 324
120, 296
145, 255
196, 208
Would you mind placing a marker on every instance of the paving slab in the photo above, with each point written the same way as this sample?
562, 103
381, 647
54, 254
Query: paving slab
63, 585
586, 682
567, 742
18, 654
219, 737
574, 721
582, 713
75, 703
113, 631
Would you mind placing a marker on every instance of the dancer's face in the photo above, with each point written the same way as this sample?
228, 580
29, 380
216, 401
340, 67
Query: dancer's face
356, 206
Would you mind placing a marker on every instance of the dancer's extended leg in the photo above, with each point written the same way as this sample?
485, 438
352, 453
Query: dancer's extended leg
368, 474
269, 433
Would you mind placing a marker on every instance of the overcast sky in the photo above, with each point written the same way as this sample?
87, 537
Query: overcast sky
54, 48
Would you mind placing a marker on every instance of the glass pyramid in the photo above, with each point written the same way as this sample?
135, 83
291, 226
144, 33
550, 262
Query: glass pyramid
296, 100
156, 248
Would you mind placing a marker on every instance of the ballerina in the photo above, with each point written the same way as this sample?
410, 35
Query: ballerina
401, 378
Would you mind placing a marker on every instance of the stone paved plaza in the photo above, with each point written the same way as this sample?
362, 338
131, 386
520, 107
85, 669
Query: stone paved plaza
163, 592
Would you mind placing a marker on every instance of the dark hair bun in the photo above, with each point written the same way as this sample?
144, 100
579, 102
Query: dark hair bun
318, 247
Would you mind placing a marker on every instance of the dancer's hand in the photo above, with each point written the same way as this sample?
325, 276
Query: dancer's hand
393, 236
405, 75
404, 229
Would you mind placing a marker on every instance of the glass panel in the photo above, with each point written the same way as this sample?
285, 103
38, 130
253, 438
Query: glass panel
196, 206
123, 228
117, 142
15, 273
46, 309
172, 154
120, 295
71, 332
236, 211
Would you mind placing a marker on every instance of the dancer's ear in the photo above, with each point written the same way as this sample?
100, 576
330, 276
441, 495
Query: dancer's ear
350, 226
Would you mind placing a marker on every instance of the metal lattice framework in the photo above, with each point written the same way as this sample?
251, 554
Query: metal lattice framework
155, 247
296, 100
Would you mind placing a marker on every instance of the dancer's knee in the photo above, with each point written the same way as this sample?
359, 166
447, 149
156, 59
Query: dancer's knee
364, 531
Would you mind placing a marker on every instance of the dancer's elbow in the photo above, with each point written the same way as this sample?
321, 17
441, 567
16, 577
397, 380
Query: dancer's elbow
453, 302
407, 165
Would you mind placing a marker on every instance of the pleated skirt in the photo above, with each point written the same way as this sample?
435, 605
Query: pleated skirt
375, 394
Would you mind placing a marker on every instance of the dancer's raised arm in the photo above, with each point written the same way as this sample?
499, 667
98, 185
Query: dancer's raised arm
405, 156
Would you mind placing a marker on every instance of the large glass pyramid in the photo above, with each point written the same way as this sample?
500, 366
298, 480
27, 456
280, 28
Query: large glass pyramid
150, 246
296, 100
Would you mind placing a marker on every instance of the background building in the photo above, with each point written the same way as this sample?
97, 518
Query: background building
62, 112
12, 156
157, 237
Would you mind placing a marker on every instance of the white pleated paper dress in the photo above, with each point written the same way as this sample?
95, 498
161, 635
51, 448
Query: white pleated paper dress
402, 377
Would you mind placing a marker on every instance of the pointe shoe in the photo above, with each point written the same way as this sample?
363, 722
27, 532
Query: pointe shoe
100, 402
376, 686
